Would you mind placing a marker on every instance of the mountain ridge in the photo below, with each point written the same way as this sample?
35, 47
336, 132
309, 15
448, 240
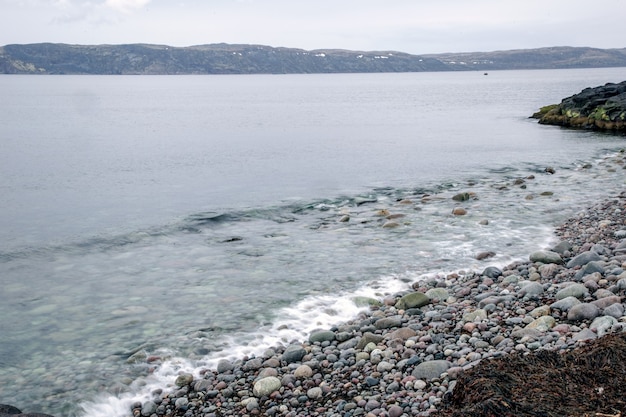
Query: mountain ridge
222, 58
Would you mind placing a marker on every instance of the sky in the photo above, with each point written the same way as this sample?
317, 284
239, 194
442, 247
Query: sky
413, 26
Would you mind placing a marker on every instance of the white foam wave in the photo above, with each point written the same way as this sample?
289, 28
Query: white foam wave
293, 323
296, 322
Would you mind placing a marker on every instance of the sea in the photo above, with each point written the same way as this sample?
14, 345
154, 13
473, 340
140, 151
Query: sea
152, 225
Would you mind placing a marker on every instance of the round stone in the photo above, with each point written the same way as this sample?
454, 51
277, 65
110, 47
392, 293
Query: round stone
181, 402
148, 408
602, 325
412, 300
224, 365
440, 294
384, 366
313, 393
583, 259
388, 322
543, 323
573, 290
565, 304
322, 336
431, 369
293, 353
583, 311
303, 371
265, 386
402, 333
492, 272
546, 257
395, 411
459, 211
531, 290
184, 379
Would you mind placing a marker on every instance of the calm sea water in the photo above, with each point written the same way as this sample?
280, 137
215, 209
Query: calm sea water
198, 217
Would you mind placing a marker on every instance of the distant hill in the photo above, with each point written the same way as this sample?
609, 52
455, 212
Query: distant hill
542, 58
52, 58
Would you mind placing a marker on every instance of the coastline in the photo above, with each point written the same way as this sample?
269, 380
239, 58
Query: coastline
405, 355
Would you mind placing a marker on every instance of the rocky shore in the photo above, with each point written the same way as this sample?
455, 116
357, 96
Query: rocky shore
540, 337
600, 108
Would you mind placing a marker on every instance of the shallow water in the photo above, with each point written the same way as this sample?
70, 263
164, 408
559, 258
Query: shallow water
193, 218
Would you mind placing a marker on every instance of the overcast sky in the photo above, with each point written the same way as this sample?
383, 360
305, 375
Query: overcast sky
414, 26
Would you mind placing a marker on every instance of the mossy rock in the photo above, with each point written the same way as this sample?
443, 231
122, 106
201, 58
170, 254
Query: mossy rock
461, 197
545, 110
413, 300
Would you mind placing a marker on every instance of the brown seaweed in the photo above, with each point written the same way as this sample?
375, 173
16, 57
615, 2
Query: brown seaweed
584, 382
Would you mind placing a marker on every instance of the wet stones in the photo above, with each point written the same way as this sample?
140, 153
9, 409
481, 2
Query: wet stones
484, 255
563, 248
224, 365
183, 380
461, 197
492, 272
405, 355
322, 336
459, 211
293, 353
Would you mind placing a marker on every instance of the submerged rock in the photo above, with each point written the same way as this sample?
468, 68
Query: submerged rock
8, 410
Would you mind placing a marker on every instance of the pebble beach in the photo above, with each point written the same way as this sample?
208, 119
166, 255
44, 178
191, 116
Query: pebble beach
402, 357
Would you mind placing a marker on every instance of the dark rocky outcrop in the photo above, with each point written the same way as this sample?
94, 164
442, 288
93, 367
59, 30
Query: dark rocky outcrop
599, 108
